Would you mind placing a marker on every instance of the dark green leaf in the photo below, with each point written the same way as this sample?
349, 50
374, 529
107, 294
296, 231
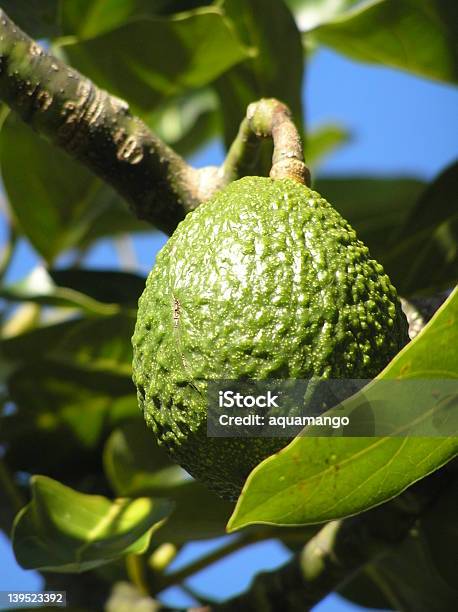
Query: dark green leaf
39, 18
42, 288
188, 121
275, 71
108, 286
135, 62
61, 415
375, 207
415, 35
113, 221
91, 344
136, 465
62, 530
316, 479
423, 255
88, 18
364, 591
69, 382
199, 514
60, 199
440, 531
411, 575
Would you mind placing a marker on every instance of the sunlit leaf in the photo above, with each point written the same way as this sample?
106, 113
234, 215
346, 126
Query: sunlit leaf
315, 479
63, 530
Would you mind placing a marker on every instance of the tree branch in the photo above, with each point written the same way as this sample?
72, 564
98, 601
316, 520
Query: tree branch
98, 130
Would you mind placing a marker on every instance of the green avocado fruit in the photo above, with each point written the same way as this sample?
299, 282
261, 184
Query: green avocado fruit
264, 281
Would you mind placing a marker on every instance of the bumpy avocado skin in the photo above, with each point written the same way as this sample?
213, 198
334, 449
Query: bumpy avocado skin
266, 280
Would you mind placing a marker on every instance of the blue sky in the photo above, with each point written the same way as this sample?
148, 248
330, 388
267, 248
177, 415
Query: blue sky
400, 125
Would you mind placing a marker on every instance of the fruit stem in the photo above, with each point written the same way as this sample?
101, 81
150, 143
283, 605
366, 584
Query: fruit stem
266, 118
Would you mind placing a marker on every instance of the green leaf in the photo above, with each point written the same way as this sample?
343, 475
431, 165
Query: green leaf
375, 207
411, 574
39, 18
198, 515
315, 479
60, 199
440, 531
135, 62
423, 255
268, 27
188, 121
364, 591
414, 35
136, 465
91, 344
61, 415
62, 530
70, 383
40, 287
88, 18
323, 141
115, 220
107, 286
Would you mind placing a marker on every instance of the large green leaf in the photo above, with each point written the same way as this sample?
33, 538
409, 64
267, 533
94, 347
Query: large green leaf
375, 207
63, 530
415, 35
60, 199
275, 71
423, 255
316, 479
150, 59
39, 18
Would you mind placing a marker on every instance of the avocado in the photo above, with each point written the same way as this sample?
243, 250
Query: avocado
264, 281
